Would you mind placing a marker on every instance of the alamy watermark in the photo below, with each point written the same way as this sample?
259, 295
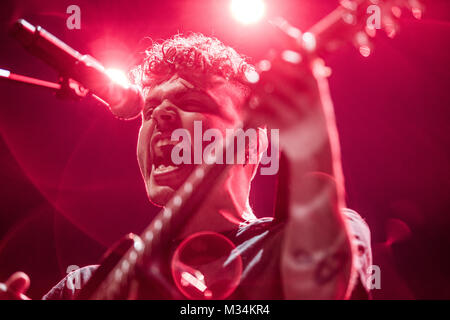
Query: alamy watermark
74, 20
73, 278
246, 147
373, 280
374, 19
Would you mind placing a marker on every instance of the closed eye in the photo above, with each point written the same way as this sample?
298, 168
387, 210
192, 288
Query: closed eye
150, 106
148, 112
197, 102
192, 105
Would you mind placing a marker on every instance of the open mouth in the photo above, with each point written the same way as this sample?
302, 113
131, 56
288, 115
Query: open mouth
162, 157
163, 170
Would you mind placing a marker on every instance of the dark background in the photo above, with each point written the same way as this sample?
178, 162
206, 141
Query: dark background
70, 184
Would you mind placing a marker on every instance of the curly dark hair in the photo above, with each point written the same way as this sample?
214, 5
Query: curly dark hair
195, 53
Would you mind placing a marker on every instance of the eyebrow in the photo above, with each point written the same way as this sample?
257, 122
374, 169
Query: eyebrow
176, 94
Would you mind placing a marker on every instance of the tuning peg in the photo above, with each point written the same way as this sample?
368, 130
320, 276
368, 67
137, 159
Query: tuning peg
349, 16
365, 51
362, 42
417, 13
417, 8
349, 4
390, 26
371, 31
291, 56
396, 11
309, 42
320, 70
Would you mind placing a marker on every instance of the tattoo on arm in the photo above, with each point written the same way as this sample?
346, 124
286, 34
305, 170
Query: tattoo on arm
330, 267
317, 273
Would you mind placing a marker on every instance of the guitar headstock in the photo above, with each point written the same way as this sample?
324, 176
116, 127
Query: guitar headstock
354, 21
377, 15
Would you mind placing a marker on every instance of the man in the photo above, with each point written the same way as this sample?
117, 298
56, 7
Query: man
317, 249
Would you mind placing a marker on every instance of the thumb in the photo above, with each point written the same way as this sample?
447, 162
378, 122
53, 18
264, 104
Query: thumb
18, 282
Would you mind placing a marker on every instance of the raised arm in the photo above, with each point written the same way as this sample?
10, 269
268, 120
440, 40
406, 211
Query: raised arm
316, 258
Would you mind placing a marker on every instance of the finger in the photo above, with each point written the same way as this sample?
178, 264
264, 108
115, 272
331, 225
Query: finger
277, 113
18, 282
298, 96
287, 68
288, 98
300, 77
291, 64
256, 114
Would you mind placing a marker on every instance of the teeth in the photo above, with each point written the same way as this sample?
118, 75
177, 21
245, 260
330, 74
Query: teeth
164, 169
161, 153
165, 142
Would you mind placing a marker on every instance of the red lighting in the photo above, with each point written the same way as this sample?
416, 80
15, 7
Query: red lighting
248, 11
118, 76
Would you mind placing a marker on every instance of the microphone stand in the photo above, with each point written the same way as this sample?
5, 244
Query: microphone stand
65, 88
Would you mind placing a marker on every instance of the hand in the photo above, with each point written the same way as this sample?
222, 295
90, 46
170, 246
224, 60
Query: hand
15, 287
289, 97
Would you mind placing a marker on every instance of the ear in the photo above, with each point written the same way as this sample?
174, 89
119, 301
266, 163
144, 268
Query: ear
263, 142
261, 148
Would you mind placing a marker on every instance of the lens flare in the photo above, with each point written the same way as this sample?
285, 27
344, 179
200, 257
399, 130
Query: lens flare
248, 11
118, 76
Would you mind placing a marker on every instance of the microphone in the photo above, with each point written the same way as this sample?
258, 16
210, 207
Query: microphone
124, 100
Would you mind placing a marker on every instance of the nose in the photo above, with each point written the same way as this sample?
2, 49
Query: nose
165, 115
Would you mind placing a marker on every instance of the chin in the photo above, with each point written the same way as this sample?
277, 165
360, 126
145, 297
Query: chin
162, 186
159, 195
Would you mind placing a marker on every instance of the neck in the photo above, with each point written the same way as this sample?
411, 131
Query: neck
222, 211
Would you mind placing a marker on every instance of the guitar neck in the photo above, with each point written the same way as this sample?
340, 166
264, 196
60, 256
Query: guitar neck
168, 222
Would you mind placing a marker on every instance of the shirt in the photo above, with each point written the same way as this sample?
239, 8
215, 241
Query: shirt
258, 245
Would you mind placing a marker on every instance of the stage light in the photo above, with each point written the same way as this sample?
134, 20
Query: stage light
4, 73
118, 76
248, 11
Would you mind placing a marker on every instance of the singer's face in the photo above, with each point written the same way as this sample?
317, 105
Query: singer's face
176, 103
